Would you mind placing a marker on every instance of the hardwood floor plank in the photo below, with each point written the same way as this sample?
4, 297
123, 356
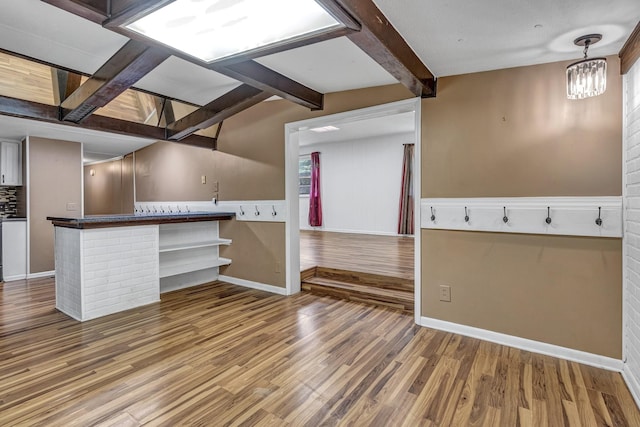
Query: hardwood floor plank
223, 355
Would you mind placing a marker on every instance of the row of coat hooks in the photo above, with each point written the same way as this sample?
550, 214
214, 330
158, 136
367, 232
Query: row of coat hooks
505, 218
257, 211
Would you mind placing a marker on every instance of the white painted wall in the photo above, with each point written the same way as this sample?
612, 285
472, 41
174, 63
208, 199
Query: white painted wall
360, 184
631, 193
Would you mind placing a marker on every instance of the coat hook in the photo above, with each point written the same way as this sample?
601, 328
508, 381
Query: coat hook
257, 211
433, 216
599, 220
505, 218
548, 220
466, 215
274, 213
241, 211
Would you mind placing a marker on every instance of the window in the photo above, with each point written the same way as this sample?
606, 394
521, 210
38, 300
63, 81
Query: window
304, 175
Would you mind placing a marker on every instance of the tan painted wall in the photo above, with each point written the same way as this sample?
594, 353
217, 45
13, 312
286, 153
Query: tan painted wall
55, 169
110, 189
513, 133
249, 165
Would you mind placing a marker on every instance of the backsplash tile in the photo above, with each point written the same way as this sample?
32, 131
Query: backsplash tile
8, 201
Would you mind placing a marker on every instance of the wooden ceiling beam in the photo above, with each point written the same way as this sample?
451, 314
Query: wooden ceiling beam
133, 61
264, 78
64, 84
51, 114
630, 52
245, 71
382, 42
216, 111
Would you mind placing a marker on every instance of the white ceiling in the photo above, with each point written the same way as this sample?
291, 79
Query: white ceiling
403, 123
450, 36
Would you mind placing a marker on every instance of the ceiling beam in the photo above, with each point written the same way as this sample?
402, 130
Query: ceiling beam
227, 105
261, 77
630, 52
133, 61
64, 84
247, 72
50, 114
382, 42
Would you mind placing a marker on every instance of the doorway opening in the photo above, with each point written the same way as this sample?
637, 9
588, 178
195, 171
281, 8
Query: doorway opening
361, 155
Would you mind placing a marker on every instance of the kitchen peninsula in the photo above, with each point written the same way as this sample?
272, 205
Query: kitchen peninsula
107, 264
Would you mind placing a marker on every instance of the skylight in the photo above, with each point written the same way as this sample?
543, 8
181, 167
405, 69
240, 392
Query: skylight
211, 30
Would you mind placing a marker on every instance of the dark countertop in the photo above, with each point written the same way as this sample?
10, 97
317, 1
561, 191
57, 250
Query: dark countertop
103, 221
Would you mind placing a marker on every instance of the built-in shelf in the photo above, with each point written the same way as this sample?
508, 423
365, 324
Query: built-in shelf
194, 245
175, 267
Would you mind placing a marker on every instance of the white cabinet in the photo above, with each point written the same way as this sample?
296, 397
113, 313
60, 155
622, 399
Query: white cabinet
10, 163
14, 250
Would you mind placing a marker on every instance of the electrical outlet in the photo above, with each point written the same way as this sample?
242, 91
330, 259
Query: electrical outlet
203, 178
72, 206
278, 267
445, 293
215, 186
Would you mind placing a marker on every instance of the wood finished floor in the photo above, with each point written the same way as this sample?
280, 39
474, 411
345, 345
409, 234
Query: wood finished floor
384, 255
221, 355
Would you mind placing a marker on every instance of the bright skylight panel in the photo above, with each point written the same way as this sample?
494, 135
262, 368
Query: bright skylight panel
214, 29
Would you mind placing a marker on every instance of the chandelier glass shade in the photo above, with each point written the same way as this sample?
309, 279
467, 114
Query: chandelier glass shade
588, 77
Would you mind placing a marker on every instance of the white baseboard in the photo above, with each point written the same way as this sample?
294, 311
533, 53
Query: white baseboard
253, 285
41, 274
340, 230
632, 384
579, 356
15, 277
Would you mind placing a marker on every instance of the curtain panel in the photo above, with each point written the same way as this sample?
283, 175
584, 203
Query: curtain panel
315, 204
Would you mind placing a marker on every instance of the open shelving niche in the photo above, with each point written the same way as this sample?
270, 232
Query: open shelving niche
190, 254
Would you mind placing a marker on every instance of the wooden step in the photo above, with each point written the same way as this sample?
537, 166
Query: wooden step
387, 297
361, 278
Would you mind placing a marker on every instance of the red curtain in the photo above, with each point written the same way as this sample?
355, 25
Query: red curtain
315, 204
405, 218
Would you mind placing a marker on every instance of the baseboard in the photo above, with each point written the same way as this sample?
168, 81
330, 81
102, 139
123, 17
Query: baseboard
339, 230
14, 277
632, 383
41, 274
253, 285
579, 356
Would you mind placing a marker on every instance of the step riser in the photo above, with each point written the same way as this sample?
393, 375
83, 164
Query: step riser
358, 297
365, 279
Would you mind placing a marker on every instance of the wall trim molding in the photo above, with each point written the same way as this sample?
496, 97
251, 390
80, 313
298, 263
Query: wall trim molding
341, 230
14, 277
570, 216
632, 383
253, 285
41, 274
579, 356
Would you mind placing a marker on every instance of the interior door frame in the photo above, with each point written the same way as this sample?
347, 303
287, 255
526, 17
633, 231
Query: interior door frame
292, 152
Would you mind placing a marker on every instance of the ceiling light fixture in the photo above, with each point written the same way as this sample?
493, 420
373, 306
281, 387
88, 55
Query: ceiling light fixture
212, 30
588, 77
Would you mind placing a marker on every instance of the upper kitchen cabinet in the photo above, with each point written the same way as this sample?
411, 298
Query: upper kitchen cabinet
10, 163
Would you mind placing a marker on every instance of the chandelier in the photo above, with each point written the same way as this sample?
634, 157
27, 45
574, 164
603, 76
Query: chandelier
588, 77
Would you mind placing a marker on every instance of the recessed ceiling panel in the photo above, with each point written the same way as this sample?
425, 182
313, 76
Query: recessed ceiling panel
45, 32
330, 66
183, 80
458, 37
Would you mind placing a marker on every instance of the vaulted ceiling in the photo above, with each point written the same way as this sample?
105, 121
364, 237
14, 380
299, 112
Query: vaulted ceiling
383, 43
